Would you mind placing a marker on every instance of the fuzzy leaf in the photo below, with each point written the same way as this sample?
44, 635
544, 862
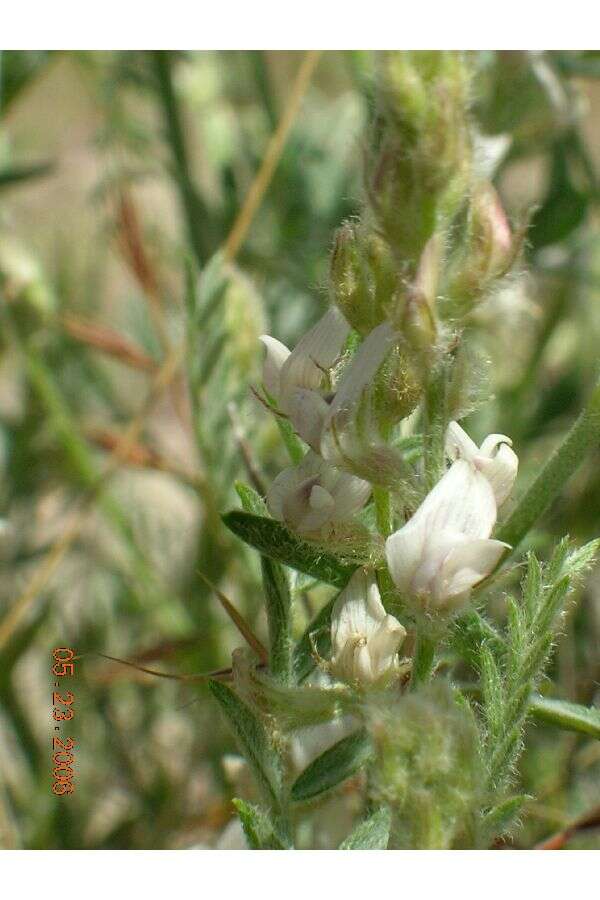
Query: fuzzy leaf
254, 741
333, 766
501, 818
277, 595
278, 604
569, 716
250, 499
372, 834
276, 542
470, 631
260, 832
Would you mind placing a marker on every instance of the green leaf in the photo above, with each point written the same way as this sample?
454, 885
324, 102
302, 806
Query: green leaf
277, 596
260, 832
333, 766
276, 542
372, 834
569, 716
254, 741
279, 617
317, 635
292, 443
470, 631
250, 499
501, 818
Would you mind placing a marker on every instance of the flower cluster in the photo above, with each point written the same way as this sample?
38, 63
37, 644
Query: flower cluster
438, 555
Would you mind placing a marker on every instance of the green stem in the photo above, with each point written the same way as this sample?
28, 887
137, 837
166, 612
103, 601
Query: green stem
423, 661
552, 477
193, 208
383, 510
435, 424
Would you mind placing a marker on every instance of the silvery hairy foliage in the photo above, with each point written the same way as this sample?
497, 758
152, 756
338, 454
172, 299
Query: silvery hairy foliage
402, 694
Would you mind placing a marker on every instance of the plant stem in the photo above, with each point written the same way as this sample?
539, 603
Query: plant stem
435, 424
383, 510
561, 465
423, 661
193, 207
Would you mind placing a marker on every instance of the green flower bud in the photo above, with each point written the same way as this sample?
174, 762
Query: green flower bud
363, 277
423, 164
397, 389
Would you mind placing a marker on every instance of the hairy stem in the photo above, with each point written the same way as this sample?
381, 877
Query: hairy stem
423, 661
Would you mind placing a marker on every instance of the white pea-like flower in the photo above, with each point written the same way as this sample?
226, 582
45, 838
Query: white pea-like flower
495, 458
365, 639
314, 494
294, 379
445, 549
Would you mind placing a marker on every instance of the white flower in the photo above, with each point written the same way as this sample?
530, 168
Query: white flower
445, 549
495, 458
344, 441
294, 378
314, 494
365, 639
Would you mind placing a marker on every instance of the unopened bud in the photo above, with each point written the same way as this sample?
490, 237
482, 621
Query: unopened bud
363, 277
489, 252
491, 232
423, 162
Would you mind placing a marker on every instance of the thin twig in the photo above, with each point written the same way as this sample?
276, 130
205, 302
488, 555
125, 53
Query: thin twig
239, 621
220, 674
272, 155
245, 449
587, 822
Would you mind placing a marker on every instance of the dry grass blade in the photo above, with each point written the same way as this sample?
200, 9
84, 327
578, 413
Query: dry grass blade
142, 456
131, 244
272, 156
239, 622
245, 450
109, 342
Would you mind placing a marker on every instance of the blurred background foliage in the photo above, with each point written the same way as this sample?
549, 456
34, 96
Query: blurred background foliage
121, 175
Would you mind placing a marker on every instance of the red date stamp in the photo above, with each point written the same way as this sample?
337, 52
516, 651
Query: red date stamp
63, 710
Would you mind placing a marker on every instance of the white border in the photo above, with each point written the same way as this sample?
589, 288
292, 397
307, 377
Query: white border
239, 875
297, 24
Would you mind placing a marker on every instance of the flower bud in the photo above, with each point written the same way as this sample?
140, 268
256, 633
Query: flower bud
490, 248
423, 162
363, 277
